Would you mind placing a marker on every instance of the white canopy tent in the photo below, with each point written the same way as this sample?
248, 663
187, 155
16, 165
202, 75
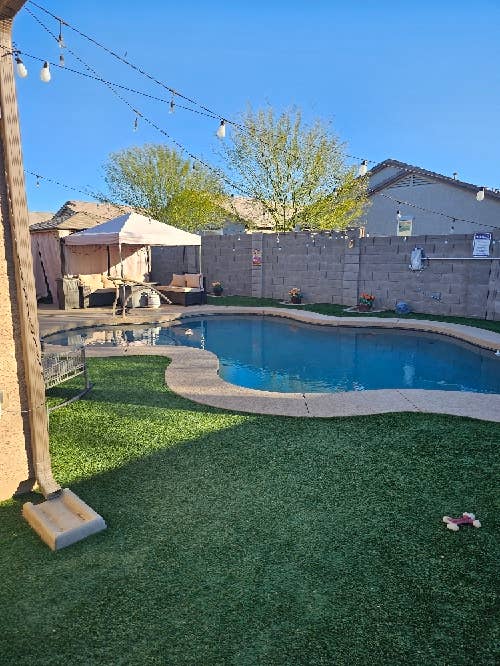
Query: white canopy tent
132, 229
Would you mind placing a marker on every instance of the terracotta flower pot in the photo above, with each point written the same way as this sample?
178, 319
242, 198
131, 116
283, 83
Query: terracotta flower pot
364, 307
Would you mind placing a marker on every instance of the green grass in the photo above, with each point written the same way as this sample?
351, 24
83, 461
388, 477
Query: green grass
340, 311
243, 539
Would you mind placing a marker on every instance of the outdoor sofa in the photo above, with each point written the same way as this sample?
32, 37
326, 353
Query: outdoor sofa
185, 289
96, 291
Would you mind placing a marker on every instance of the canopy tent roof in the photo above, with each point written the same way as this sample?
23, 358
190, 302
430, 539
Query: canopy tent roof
133, 229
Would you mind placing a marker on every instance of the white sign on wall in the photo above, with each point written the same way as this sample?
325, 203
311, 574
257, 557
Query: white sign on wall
481, 245
405, 225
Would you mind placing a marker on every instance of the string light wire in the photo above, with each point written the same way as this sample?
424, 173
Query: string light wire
433, 212
135, 67
174, 93
126, 209
95, 76
140, 114
100, 79
210, 112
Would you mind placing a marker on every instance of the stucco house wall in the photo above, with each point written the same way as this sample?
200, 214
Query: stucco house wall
14, 424
440, 194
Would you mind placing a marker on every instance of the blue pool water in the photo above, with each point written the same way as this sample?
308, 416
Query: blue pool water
276, 354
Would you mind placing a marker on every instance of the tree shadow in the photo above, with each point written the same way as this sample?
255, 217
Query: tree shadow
253, 539
258, 540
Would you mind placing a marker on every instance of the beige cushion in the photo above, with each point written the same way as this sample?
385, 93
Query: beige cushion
93, 282
107, 283
178, 280
194, 280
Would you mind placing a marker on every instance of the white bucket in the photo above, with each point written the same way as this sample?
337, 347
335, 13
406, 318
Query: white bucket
153, 300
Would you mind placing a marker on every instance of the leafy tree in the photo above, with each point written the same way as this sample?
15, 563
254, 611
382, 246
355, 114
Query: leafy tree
296, 172
163, 185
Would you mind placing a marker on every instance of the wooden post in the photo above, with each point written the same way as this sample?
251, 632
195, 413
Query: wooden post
27, 394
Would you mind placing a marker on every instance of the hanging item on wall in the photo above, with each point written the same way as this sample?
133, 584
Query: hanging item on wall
481, 245
417, 258
405, 225
257, 257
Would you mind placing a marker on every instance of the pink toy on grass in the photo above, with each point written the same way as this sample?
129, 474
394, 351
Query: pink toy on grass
465, 519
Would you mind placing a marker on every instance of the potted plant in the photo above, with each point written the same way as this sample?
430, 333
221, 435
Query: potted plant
217, 288
365, 302
295, 295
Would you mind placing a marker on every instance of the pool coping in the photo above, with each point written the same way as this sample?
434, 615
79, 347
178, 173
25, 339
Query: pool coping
193, 373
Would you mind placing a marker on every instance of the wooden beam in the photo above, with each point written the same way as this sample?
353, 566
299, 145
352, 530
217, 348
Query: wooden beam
15, 221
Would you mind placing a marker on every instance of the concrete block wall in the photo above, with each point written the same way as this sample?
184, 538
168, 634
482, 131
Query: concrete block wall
452, 283
165, 261
493, 300
336, 269
316, 264
228, 259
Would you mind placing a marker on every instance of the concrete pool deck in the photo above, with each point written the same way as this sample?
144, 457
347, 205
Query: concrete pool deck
193, 373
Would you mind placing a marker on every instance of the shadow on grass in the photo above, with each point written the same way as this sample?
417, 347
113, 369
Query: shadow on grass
237, 539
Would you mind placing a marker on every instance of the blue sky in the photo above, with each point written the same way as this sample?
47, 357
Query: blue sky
418, 82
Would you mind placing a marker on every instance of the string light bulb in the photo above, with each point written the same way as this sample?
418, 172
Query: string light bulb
221, 130
363, 168
171, 108
452, 226
37, 181
480, 194
21, 68
61, 60
45, 73
398, 215
60, 39
136, 124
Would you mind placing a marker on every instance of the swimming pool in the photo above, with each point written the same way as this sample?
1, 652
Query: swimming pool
275, 354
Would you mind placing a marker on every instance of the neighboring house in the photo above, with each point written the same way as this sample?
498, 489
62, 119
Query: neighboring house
46, 235
35, 217
392, 183
244, 214
251, 213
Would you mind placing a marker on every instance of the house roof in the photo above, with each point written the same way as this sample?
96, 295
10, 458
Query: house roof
38, 217
251, 212
410, 168
79, 215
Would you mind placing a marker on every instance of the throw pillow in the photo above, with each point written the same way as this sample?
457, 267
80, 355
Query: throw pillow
178, 280
194, 280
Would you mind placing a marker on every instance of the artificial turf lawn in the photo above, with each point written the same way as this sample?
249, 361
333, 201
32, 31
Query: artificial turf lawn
341, 311
243, 539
